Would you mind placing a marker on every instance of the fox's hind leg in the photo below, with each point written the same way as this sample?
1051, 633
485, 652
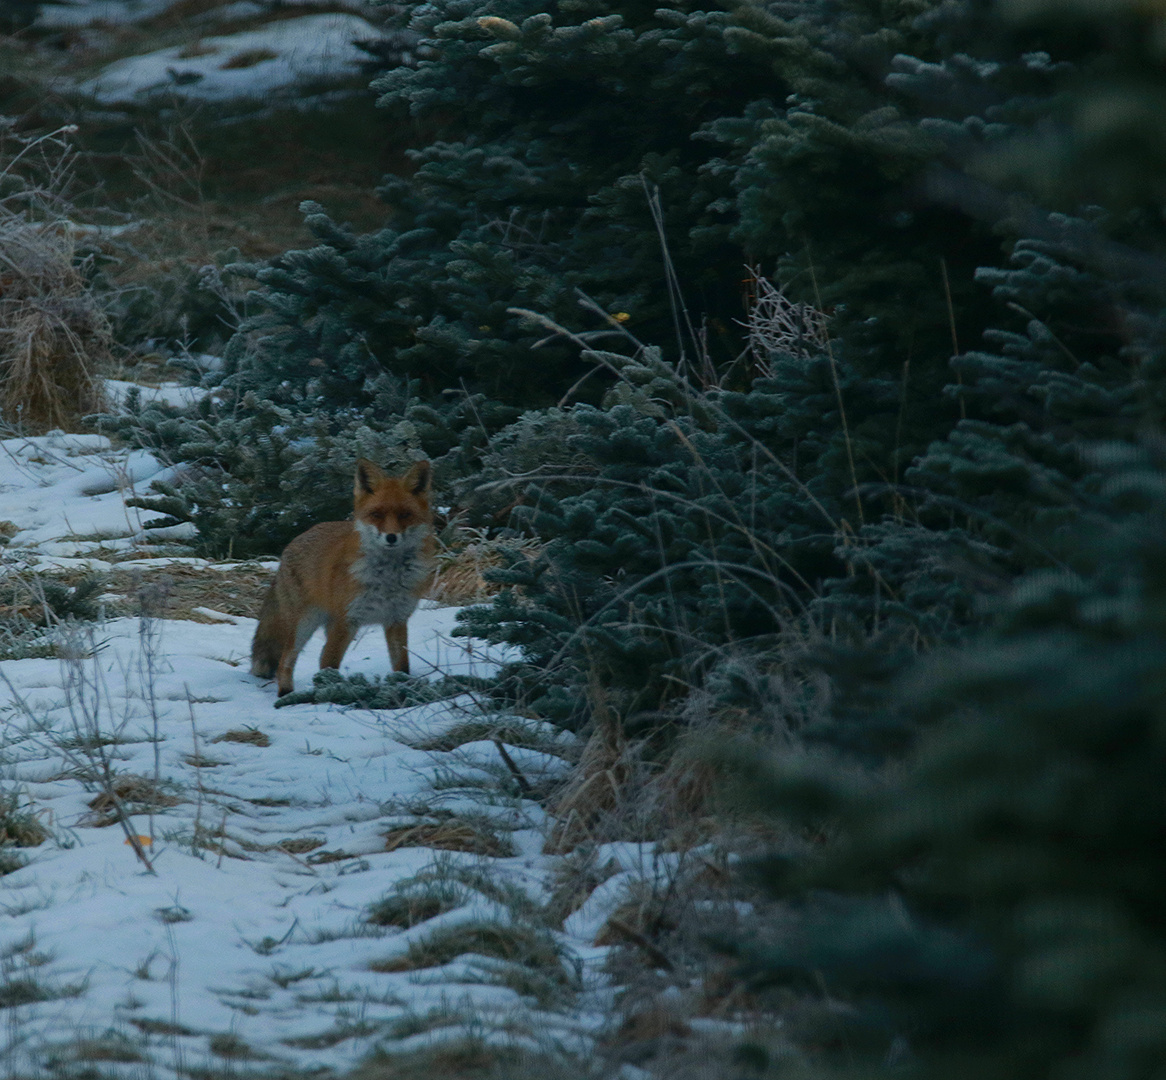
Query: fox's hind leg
309, 622
270, 636
397, 636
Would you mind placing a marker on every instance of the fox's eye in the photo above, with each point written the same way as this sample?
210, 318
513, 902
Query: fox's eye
404, 518
377, 516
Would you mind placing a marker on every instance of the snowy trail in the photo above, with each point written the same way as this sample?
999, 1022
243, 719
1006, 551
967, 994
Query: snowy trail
250, 942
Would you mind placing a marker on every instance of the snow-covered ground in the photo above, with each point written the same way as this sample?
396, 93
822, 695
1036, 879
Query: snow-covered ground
247, 64
247, 945
71, 13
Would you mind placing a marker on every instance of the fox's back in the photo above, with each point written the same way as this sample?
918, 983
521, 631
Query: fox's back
316, 564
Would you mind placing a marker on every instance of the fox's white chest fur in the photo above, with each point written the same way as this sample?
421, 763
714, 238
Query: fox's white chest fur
389, 576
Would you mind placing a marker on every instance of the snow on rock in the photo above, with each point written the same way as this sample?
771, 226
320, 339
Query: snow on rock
249, 64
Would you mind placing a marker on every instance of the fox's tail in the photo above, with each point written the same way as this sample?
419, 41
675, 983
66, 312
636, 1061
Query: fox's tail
267, 645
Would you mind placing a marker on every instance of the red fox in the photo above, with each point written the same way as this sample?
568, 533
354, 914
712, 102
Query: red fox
346, 574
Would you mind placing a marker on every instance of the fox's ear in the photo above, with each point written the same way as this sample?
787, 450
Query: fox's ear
418, 478
368, 476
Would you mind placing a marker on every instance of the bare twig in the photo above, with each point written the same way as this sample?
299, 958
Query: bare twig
776, 324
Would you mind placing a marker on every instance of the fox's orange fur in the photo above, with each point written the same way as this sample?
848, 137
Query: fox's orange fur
346, 574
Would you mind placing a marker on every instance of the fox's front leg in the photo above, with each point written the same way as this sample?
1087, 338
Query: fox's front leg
397, 636
336, 644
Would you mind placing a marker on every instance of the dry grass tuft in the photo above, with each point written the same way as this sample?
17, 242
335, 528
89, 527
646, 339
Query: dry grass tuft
449, 836
251, 736
248, 58
299, 845
134, 792
198, 48
471, 1058
160, 1027
405, 911
654, 1022
201, 761
575, 877
325, 857
515, 944
115, 1048
461, 567
511, 732
19, 828
596, 787
54, 337
237, 590
229, 1045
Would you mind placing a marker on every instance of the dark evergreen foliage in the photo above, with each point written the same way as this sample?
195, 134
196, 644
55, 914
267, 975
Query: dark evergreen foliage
395, 691
255, 475
693, 525
995, 905
18, 15
990, 906
567, 145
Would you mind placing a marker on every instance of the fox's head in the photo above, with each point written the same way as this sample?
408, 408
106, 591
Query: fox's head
392, 509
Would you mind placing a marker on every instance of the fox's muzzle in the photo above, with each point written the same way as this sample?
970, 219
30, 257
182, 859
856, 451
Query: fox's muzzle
391, 538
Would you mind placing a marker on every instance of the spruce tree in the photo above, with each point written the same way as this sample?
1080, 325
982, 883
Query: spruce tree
990, 906
993, 908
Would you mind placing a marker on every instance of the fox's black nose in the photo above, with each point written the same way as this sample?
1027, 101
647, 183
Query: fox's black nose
390, 538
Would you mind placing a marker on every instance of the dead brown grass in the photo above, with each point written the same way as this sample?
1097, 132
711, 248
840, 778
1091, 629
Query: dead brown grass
407, 911
459, 579
514, 943
237, 590
201, 761
449, 836
596, 787
54, 337
133, 791
324, 857
575, 877
19, 828
248, 58
251, 736
299, 845
160, 1027
194, 50
511, 732
468, 1059
461, 567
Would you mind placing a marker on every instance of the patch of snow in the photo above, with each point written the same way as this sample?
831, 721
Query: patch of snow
250, 64
589, 919
169, 393
68, 14
66, 493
